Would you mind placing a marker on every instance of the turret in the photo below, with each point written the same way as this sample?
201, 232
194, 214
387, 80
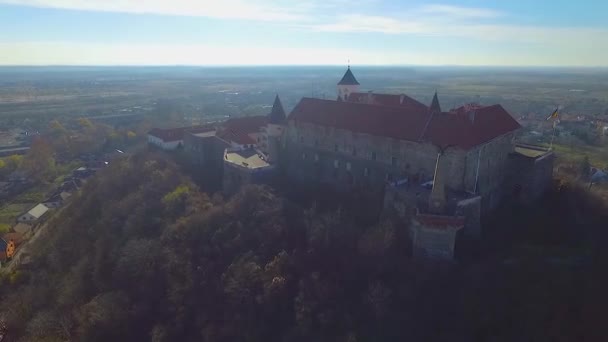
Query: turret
274, 129
435, 107
347, 85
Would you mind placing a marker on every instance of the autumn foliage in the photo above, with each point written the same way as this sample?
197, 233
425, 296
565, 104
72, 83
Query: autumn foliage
143, 255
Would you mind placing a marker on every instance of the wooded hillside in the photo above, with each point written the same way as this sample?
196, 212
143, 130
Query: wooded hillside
141, 254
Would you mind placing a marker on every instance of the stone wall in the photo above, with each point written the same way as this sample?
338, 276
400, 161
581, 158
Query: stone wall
205, 151
529, 177
486, 169
339, 156
344, 158
206, 155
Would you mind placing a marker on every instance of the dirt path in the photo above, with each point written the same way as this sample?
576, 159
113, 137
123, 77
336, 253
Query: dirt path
25, 247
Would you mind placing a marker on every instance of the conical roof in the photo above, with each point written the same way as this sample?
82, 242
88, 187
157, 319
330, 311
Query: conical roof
435, 107
277, 114
348, 78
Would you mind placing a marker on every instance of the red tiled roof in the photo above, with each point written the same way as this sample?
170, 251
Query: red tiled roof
238, 129
456, 128
440, 221
386, 121
238, 137
175, 134
469, 126
246, 124
387, 100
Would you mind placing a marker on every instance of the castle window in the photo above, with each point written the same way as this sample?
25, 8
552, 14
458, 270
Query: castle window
348, 166
373, 155
301, 139
303, 156
366, 172
336, 148
316, 142
393, 161
354, 151
389, 177
336, 163
316, 157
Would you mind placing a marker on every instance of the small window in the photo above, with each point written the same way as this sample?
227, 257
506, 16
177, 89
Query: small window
316, 142
336, 163
373, 155
301, 139
354, 151
336, 148
389, 177
393, 161
366, 172
303, 156
316, 157
348, 166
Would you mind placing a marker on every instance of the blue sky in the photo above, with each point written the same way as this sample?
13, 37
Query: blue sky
268, 32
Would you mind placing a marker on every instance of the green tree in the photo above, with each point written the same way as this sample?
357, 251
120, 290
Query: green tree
584, 168
39, 162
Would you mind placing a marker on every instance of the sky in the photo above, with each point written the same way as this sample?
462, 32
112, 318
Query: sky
304, 32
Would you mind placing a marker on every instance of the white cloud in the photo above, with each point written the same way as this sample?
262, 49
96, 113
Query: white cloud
366, 23
559, 45
450, 26
459, 11
62, 53
67, 53
223, 9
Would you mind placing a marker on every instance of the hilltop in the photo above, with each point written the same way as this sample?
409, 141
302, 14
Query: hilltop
143, 254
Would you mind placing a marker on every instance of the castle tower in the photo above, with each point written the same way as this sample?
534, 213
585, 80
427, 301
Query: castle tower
275, 129
435, 107
347, 85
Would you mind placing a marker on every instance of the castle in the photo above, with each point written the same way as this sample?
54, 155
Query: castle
442, 169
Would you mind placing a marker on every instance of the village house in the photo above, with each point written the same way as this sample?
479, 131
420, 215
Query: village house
34, 215
169, 139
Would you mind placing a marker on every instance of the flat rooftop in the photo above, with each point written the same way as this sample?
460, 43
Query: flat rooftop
204, 134
531, 151
249, 158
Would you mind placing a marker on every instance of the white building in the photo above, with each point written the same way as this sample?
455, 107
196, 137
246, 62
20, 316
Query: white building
34, 215
172, 138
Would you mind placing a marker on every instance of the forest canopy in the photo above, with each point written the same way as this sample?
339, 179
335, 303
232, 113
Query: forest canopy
142, 254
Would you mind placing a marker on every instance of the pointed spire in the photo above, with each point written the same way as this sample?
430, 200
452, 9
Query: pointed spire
435, 107
348, 78
277, 114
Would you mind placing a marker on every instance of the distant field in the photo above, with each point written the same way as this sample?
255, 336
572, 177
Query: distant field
66, 91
